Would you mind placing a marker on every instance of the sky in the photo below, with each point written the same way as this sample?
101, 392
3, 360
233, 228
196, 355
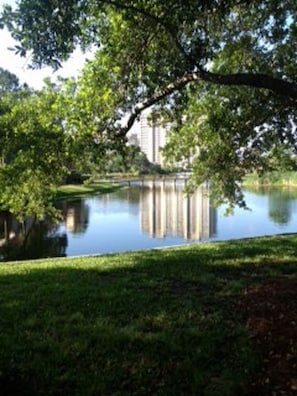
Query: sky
19, 65
34, 78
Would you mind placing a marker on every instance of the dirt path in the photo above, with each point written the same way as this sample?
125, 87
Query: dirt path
271, 311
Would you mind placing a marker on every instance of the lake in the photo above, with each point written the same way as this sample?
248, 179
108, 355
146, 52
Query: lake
146, 216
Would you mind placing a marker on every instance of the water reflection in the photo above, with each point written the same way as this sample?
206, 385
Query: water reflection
279, 207
167, 211
145, 216
281, 203
75, 215
30, 239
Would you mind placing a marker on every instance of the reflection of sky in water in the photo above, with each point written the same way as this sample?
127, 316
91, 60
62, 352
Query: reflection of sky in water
134, 219
262, 219
113, 230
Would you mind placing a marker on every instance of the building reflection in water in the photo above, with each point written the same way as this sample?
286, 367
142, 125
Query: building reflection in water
166, 211
75, 215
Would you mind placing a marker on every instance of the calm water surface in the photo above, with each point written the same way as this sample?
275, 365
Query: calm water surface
143, 217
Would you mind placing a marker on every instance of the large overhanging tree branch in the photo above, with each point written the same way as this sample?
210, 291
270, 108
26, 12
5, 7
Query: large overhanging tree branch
56, 34
264, 81
254, 80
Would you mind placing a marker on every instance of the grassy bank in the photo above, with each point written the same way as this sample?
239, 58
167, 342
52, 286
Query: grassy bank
160, 322
277, 179
76, 190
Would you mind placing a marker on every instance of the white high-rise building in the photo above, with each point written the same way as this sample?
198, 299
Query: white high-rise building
152, 138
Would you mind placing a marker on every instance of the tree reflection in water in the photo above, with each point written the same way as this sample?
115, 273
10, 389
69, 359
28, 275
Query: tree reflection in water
38, 239
30, 239
281, 203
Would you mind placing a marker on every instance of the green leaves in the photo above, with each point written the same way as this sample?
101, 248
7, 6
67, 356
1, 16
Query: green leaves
236, 60
227, 139
27, 193
33, 154
8, 82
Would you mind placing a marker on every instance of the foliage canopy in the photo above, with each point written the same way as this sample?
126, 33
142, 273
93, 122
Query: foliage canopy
33, 150
223, 72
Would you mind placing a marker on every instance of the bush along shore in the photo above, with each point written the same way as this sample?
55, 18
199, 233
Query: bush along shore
161, 322
276, 178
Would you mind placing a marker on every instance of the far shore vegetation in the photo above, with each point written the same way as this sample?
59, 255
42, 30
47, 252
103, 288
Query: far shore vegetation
158, 322
106, 183
110, 182
275, 178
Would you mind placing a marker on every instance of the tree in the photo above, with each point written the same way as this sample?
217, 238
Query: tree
33, 151
129, 159
8, 82
224, 71
229, 133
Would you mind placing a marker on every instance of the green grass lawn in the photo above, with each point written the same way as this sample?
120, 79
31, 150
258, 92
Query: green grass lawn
75, 190
161, 322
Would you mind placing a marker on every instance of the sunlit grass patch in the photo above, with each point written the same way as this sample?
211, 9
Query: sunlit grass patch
74, 190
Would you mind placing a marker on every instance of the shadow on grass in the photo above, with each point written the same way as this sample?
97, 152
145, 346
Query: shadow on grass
156, 323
